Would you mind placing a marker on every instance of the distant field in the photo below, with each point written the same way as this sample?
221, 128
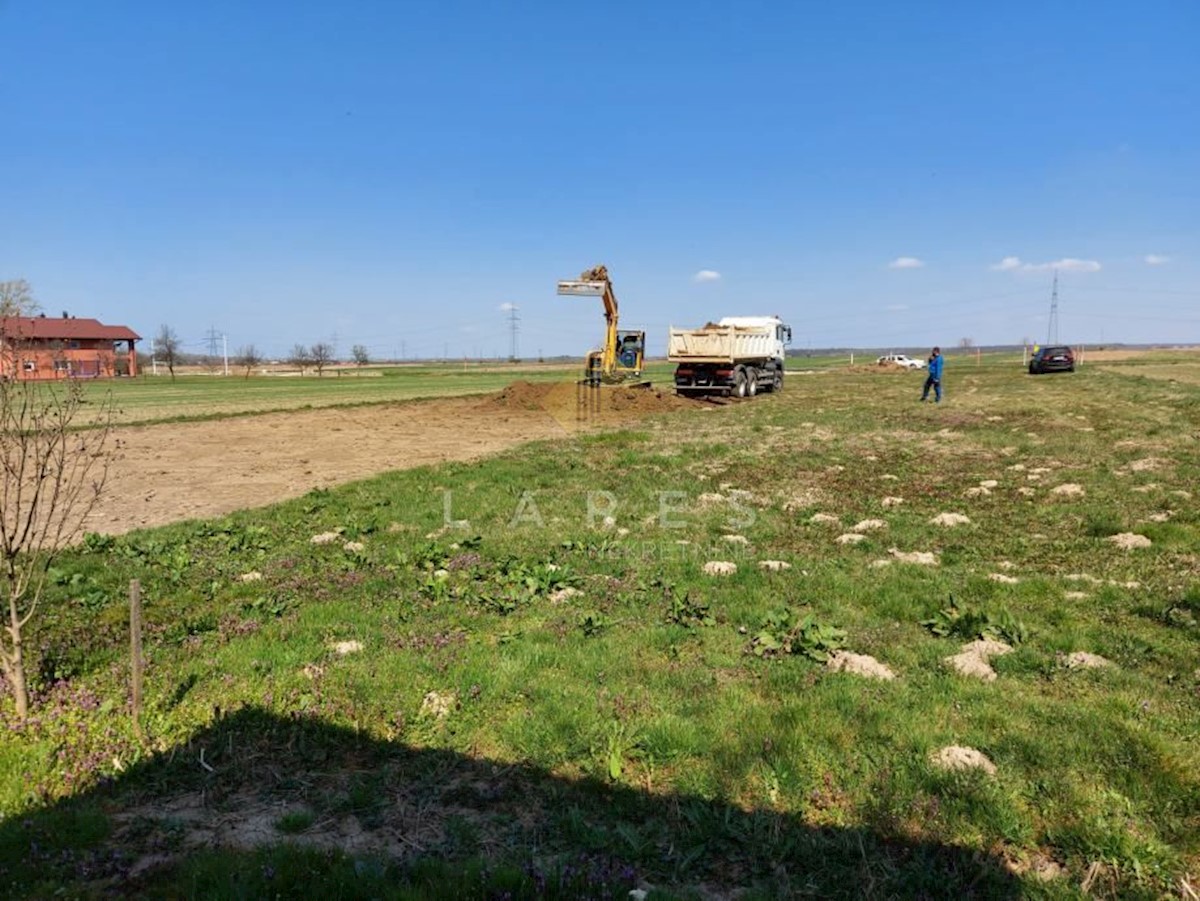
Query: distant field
158, 398
1188, 373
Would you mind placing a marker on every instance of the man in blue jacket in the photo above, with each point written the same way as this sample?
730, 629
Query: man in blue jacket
934, 378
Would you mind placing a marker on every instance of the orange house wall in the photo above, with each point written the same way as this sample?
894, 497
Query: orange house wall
97, 362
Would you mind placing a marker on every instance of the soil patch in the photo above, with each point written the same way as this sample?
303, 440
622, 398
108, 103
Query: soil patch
860, 665
1129, 540
176, 471
975, 659
956, 757
571, 402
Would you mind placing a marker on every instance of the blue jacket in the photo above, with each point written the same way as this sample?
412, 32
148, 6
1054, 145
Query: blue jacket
935, 367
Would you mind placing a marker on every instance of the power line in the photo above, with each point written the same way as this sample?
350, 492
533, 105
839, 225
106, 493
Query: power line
514, 329
212, 336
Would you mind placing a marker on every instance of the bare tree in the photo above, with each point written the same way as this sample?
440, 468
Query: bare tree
166, 346
321, 355
300, 357
16, 298
966, 343
361, 357
249, 357
51, 476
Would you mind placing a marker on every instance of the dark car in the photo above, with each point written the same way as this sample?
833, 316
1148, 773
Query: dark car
1056, 358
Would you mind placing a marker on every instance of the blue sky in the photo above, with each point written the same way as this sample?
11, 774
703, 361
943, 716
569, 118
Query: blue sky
394, 173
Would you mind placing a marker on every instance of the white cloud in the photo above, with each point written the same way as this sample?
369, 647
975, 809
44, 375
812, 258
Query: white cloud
1066, 264
896, 307
1155, 259
507, 307
906, 263
706, 275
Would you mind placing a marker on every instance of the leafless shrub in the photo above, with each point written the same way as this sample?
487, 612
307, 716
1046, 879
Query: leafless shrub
51, 476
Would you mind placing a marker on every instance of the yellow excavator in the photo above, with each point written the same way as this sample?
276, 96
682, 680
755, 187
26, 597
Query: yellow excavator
620, 360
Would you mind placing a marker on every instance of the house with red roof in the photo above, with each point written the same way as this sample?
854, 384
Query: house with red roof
45, 348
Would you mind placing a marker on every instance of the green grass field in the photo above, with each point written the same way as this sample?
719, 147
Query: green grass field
530, 701
159, 399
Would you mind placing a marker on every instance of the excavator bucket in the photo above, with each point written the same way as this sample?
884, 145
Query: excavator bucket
582, 289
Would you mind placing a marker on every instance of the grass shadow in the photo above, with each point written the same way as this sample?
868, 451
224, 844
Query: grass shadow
265, 806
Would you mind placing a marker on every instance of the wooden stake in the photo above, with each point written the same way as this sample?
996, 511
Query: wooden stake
135, 651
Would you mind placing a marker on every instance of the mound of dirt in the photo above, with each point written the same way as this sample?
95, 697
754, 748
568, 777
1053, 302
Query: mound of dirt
522, 395
572, 402
975, 659
1086, 660
860, 665
957, 757
1128, 541
950, 519
878, 369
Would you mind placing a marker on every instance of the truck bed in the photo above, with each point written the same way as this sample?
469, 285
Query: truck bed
720, 344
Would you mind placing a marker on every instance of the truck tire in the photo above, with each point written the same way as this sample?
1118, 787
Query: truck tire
739, 382
751, 382
777, 383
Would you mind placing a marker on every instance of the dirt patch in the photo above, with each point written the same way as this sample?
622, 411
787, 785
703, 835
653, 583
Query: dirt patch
570, 402
171, 472
919, 558
1086, 660
950, 519
974, 659
1130, 540
956, 757
879, 369
869, 525
859, 665
1068, 489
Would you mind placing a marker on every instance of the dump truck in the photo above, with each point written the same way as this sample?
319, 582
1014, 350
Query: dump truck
738, 356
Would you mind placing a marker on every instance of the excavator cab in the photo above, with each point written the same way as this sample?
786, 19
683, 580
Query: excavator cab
631, 349
621, 359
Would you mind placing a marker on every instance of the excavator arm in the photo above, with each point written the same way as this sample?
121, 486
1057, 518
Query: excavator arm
595, 283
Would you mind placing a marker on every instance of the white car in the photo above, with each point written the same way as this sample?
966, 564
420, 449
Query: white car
900, 360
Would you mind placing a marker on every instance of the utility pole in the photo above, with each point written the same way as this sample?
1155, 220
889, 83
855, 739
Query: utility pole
1052, 331
403, 350
225, 351
212, 340
513, 328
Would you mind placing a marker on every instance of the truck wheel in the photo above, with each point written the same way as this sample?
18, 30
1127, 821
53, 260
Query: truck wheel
778, 386
751, 382
739, 382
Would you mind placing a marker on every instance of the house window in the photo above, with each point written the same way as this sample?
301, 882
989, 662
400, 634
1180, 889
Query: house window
29, 365
74, 345
62, 365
